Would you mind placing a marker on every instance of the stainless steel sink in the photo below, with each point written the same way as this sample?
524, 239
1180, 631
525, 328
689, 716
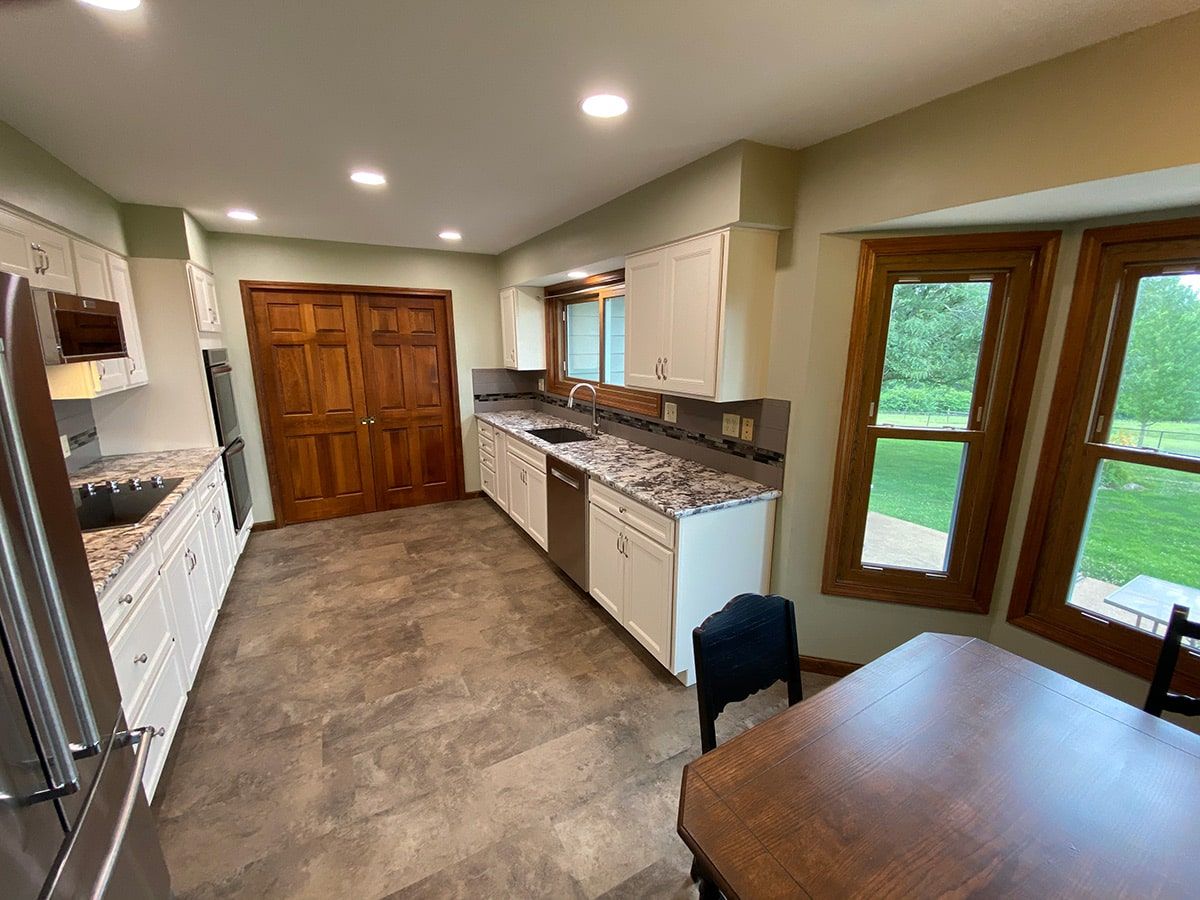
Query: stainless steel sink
560, 435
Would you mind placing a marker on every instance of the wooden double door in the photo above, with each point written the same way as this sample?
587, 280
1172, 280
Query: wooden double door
358, 398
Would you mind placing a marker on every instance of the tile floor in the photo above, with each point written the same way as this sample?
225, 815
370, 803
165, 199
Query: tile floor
415, 704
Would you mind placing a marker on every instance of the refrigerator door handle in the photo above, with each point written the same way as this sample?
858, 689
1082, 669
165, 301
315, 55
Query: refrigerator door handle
60, 762
55, 607
143, 737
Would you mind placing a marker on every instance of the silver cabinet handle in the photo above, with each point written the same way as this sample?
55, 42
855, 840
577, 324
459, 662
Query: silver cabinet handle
140, 658
621, 509
664, 368
162, 732
56, 608
658, 369
126, 598
216, 515
100, 364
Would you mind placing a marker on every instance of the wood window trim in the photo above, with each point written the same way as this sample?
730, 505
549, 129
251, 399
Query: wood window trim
249, 287
558, 296
1084, 386
1028, 258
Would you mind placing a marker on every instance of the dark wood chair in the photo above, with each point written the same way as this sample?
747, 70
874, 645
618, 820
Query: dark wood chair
1161, 698
739, 650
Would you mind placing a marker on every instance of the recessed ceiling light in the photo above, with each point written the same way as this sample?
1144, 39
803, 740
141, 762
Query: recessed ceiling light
604, 106
114, 5
243, 215
577, 273
450, 235
365, 176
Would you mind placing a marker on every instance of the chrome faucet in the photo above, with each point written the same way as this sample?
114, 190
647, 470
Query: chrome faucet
571, 404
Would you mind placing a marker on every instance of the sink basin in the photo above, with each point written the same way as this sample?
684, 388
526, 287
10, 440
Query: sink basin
560, 435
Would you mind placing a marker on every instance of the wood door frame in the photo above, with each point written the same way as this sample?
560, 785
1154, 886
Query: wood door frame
249, 286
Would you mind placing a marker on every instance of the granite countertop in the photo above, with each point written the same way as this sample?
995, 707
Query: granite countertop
670, 484
111, 548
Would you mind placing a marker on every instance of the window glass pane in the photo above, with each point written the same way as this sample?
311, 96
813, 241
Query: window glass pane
935, 331
583, 340
1139, 547
1158, 401
614, 340
914, 495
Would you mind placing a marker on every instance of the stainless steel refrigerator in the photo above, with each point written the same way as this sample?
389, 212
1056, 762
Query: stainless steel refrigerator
73, 819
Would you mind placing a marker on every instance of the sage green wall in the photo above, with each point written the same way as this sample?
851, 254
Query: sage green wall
472, 278
744, 182
155, 232
1046, 126
37, 183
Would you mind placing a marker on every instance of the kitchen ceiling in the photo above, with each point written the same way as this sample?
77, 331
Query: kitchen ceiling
471, 109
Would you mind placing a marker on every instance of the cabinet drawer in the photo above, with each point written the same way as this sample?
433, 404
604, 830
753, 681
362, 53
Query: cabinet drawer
140, 645
488, 478
523, 451
486, 429
176, 524
487, 459
211, 480
649, 522
126, 591
162, 709
487, 441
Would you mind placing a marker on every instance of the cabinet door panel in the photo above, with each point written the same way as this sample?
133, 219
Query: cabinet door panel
182, 609
16, 254
644, 320
606, 565
122, 289
693, 289
202, 574
109, 374
518, 491
55, 252
91, 271
502, 469
649, 579
537, 524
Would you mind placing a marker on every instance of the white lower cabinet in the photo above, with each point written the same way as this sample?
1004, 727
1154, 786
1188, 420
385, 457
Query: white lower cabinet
606, 562
525, 487
160, 609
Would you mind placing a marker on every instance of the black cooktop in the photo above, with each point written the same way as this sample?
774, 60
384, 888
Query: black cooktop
112, 504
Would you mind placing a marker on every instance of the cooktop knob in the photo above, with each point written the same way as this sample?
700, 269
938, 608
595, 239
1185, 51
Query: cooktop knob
90, 489
157, 481
114, 486
135, 484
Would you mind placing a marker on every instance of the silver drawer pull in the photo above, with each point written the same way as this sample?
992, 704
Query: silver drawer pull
127, 598
162, 731
140, 658
620, 509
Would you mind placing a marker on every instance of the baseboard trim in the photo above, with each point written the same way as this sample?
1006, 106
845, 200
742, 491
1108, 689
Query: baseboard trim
819, 665
472, 495
267, 525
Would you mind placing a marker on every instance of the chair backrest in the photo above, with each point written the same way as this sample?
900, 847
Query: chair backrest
1160, 697
741, 649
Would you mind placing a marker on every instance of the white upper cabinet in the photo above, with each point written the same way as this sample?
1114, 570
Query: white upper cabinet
16, 247
204, 299
698, 315
122, 292
36, 252
523, 329
91, 271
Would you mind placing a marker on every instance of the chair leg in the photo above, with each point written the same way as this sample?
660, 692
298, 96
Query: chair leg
708, 890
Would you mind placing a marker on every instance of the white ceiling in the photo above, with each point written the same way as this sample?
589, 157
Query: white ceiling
471, 106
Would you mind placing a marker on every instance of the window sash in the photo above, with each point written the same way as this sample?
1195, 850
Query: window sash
1111, 264
1018, 266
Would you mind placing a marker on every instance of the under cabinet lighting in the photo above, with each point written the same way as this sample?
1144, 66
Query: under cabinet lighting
243, 215
114, 5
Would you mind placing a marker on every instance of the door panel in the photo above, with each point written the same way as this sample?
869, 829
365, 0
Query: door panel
693, 292
649, 576
315, 401
606, 565
644, 318
407, 374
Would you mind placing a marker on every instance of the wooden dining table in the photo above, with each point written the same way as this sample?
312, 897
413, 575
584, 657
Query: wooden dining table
950, 768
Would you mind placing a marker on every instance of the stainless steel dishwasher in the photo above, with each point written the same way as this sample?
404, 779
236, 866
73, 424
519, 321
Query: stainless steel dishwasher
566, 501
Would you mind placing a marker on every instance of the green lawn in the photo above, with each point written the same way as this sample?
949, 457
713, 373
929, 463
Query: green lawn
1148, 529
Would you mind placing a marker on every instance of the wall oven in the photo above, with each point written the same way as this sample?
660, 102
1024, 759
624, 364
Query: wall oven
78, 329
229, 432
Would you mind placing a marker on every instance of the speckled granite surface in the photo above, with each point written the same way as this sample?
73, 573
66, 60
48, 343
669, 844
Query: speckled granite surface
674, 486
108, 550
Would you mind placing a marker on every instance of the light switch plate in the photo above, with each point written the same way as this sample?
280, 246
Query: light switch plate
670, 411
747, 428
731, 424
66, 445
541, 384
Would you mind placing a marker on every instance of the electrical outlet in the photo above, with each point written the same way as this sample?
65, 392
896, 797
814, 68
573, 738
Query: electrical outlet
747, 429
541, 384
731, 424
670, 411
66, 445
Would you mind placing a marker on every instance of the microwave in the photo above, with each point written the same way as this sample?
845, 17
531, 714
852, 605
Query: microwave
78, 329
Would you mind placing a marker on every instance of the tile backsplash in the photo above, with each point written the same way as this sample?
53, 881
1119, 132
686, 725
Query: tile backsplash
696, 433
75, 420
